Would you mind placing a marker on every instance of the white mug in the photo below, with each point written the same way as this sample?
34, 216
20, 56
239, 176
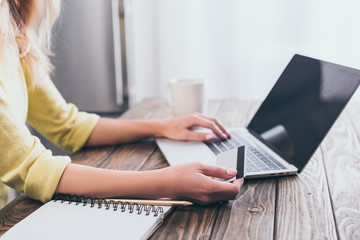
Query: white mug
186, 96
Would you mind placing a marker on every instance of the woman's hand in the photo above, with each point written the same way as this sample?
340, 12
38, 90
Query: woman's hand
115, 131
192, 181
195, 182
182, 128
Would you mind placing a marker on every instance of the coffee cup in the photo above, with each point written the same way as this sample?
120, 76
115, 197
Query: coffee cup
186, 96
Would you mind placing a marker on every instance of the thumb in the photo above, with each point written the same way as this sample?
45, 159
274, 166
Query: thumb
238, 183
219, 172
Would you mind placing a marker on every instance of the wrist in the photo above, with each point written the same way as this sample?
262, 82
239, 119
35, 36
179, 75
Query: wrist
158, 128
156, 184
165, 183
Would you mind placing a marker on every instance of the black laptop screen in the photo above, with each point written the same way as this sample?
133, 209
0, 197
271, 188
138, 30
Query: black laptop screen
302, 106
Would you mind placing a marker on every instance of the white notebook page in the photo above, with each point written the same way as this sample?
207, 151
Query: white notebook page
56, 220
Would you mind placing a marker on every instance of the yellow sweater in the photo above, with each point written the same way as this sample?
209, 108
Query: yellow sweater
25, 164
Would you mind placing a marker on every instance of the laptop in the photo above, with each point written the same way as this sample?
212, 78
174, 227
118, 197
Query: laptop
287, 128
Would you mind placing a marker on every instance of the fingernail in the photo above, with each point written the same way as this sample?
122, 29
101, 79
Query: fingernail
225, 136
209, 137
231, 172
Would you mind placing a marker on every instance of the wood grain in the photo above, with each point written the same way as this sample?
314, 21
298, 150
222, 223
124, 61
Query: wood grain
251, 215
155, 161
321, 203
148, 109
193, 222
92, 156
341, 158
133, 156
233, 113
130, 156
304, 207
17, 210
352, 112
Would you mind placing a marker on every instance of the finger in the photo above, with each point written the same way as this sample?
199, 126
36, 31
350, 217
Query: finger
203, 122
238, 183
197, 136
218, 124
223, 191
218, 172
232, 189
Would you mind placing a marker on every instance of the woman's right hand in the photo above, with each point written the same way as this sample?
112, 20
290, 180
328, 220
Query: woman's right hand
192, 181
195, 182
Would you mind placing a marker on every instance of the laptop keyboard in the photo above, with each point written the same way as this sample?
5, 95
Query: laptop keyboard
256, 160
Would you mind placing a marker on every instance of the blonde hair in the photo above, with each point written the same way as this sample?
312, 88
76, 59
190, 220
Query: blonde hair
25, 34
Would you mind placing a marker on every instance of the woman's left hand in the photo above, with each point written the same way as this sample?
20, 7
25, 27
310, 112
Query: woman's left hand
182, 128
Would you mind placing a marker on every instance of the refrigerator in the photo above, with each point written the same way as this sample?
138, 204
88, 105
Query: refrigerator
90, 57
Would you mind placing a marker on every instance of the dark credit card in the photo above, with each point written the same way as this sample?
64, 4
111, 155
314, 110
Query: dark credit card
241, 162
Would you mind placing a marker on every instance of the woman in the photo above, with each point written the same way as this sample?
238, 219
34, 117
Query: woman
27, 94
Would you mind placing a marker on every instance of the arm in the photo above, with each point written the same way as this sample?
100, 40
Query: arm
114, 131
58, 121
189, 181
25, 164
62, 123
168, 182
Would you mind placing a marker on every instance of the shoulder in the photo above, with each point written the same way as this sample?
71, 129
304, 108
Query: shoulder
35, 76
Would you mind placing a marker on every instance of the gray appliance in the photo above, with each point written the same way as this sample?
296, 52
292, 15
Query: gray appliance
89, 47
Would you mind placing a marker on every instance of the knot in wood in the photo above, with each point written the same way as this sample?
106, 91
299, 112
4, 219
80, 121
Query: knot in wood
254, 210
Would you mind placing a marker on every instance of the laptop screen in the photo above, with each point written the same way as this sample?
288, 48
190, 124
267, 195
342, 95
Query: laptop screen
302, 106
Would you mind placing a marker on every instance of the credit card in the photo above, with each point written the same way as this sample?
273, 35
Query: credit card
233, 159
241, 162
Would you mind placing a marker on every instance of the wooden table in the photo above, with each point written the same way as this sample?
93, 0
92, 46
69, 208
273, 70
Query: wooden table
323, 202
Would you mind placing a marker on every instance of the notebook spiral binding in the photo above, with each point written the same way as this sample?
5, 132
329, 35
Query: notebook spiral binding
114, 205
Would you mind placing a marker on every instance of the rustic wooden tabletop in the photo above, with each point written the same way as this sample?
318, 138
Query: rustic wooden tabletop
320, 203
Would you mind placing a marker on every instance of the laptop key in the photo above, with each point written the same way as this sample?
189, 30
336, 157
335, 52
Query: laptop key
257, 160
235, 142
251, 166
258, 163
277, 163
228, 144
212, 148
220, 146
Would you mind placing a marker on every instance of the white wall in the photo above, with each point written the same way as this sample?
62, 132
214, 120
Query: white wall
240, 47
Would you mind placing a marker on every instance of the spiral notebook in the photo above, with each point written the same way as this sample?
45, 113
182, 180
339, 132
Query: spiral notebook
87, 218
